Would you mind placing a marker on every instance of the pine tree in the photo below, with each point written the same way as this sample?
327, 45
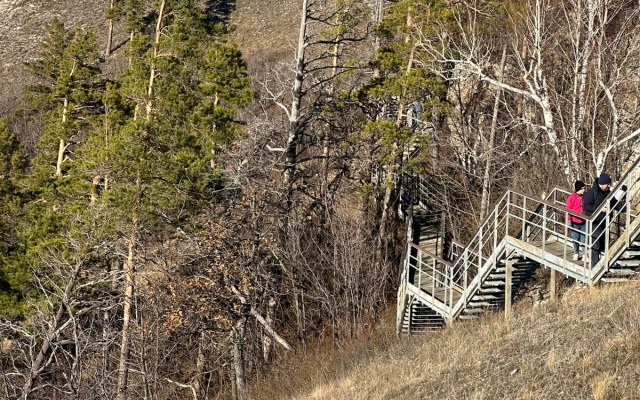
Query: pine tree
68, 90
13, 280
165, 115
53, 238
401, 82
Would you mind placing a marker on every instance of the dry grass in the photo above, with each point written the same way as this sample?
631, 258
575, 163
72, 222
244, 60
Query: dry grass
587, 346
266, 32
22, 30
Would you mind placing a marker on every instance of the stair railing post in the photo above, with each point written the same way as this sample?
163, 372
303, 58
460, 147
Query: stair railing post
480, 237
507, 288
410, 319
544, 227
495, 236
627, 216
606, 233
568, 231
418, 268
508, 217
465, 260
450, 279
402, 292
526, 228
433, 278
588, 242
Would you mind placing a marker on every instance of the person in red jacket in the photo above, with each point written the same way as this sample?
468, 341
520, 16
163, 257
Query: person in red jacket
574, 203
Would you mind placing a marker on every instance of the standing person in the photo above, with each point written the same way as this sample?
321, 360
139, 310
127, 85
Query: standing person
574, 203
591, 202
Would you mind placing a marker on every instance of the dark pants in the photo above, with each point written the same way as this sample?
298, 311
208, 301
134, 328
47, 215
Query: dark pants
597, 237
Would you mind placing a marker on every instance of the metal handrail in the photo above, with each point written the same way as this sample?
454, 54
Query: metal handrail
519, 215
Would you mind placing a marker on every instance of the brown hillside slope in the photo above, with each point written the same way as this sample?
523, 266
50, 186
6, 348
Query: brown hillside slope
265, 31
587, 346
21, 30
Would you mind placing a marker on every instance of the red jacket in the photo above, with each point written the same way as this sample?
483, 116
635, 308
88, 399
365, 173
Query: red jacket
574, 203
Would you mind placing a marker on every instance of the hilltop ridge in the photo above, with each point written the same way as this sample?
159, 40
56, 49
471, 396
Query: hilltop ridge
264, 31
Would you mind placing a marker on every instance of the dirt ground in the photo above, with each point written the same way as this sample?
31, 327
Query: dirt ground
265, 31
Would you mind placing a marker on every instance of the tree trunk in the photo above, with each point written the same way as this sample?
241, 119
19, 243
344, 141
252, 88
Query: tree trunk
62, 147
113, 270
583, 49
378, 17
486, 181
123, 366
291, 151
267, 341
197, 382
542, 91
237, 339
107, 51
152, 68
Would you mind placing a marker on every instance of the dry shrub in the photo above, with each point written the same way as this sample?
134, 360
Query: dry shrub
586, 346
601, 387
309, 372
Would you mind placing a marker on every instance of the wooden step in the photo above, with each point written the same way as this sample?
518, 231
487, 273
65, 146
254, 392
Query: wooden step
629, 263
514, 270
424, 323
415, 328
480, 304
486, 297
621, 271
473, 311
484, 290
614, 280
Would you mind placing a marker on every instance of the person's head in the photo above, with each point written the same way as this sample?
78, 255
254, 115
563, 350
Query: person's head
604, 181
579, 187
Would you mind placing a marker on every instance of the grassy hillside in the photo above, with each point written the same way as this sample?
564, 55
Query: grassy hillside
586, 346
265, 32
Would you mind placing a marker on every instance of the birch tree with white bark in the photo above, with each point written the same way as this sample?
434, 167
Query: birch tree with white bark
556, 64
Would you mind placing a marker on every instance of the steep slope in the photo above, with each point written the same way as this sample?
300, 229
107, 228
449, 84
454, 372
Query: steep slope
587, 346
22, 30
265, 32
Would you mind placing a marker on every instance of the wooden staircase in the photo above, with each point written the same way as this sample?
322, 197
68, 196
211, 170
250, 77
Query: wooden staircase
421, 318
521, 234
627, 266
491, 294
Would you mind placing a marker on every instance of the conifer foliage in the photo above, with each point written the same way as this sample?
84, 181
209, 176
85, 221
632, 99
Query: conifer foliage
122, 166
167, 233
12, 164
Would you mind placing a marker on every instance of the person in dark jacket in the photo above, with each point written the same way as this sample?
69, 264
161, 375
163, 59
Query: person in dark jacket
591, 204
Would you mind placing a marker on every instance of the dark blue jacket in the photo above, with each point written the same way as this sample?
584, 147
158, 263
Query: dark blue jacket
592, 200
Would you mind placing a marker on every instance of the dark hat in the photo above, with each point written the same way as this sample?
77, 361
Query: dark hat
604, 179
578, 185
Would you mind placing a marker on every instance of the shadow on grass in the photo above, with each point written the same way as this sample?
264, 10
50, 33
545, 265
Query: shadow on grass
220, 10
